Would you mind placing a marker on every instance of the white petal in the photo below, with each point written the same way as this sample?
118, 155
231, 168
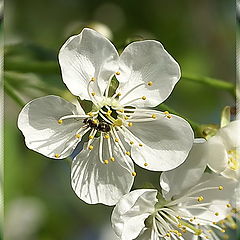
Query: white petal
147, 62
146, 235
131, 211
177, 180
230, 134
85, 56
218, 199
217, 156
96, 182
38, 122
166, 142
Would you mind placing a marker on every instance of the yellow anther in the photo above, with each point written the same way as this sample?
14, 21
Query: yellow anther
118, 122
166, 112
140, 145
198, 232
60, 121
77, 135
117, 73
116, 140
93, 79
134, 174
200, 198
131, 142
149, 83
228, 205
106, 161
154, 116
179, 225
106, 136
95, 121
144, 97
57, 155
220, 188
126, 118
178, 217
90, 114
90, 147
112, 159
191, 220
119, 94
179, 234
223, 231
216, 214
214, 223
91, 137
169, 116
210, 230
130, 124
225, 237
168, 235
93, 93
145, 164
121, 110
128, 153
109, 112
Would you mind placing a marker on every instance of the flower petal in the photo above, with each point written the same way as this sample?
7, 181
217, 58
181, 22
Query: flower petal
149, 64
38, 122
177, 180
131, 211
85, 56
96, 182
217, 199
217, 154
166, 142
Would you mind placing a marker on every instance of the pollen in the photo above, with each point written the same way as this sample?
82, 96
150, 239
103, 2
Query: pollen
134, 174
220, 188
166, 112
223, 231
140, 145
145, 164
154, 116
90, 147
112, 159
93, 79
228, 205
106, 161
128, 153
216, 214
131, 142
178, 217
93, 93
60, 121
121, 110
106, 136
118, 122
126, 118
200, 198
130, 124
144, 97
168, 235
77, 135
169, 116
150, 83
119, 94
117, 73
95, 121
90, 114
116, 140
57, 155
91, 137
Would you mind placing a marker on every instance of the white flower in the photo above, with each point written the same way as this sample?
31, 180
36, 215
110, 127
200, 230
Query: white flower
223, 151
145, 214
119, 128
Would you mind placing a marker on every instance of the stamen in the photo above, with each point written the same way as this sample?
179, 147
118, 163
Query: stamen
57, 155
150, 83
60, 121
117, 73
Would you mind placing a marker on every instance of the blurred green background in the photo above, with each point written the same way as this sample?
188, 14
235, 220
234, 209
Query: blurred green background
200, 35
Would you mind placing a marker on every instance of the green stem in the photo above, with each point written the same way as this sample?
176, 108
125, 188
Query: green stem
11, 93
216, 83
196, 126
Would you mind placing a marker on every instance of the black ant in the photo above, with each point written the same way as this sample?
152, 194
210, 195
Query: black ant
101, 126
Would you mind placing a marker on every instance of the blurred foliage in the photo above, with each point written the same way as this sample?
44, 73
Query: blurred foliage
199, 34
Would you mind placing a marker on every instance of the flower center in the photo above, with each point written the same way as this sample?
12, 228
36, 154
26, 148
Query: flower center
233, 159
